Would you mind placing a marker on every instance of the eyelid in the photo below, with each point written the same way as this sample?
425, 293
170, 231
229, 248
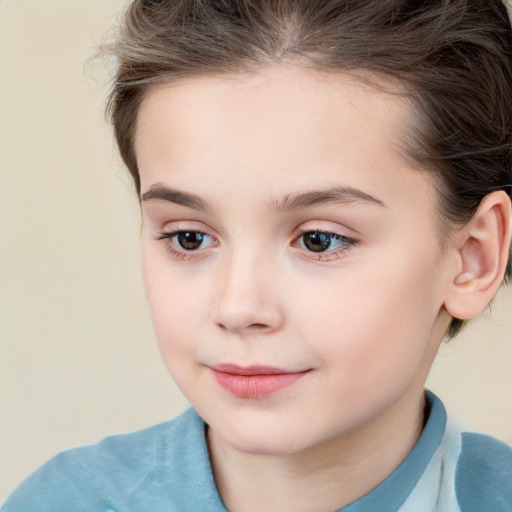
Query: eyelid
186, 224
349, 244
167, 237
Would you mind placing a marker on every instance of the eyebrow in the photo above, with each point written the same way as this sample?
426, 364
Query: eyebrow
162, 193
337, 195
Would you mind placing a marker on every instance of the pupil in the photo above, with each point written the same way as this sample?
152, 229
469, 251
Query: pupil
190, 240
317, 242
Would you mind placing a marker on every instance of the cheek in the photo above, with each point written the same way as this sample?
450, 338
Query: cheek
176, 305
374, 326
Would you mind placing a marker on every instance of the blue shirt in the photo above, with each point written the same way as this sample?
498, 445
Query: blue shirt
167, 468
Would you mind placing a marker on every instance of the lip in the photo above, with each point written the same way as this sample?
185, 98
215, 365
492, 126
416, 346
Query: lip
255, 381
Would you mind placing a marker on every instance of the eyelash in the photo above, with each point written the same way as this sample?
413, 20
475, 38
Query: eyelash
348, 245
170, 244
184, 254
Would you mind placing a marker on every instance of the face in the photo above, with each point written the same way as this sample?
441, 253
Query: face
290, 255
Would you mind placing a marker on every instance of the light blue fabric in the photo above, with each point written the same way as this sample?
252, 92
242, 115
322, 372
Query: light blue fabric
162, 468
167, 468
484, 475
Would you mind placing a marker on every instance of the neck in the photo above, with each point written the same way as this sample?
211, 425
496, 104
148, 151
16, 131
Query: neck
322, 478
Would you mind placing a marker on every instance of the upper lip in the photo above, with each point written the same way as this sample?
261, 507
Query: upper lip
234, 369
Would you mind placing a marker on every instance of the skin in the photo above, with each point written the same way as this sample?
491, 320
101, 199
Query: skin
365, 318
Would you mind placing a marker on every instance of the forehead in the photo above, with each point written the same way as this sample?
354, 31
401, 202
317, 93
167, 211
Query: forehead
275, 131
280, 110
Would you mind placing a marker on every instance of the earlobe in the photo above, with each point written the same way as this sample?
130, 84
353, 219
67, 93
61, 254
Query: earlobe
482, 250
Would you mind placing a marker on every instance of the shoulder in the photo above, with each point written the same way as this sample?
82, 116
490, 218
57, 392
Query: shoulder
483, 476
101, 476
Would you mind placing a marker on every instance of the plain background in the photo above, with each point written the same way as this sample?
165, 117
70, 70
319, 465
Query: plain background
78, 359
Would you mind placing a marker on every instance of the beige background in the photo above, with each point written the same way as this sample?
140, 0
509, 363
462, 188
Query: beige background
78, 360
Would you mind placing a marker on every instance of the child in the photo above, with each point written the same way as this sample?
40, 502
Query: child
325, 194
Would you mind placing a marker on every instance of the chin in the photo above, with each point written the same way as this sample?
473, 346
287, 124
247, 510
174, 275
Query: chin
261, 439
268, 447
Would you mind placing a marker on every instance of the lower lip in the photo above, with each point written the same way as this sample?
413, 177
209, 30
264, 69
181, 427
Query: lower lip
256, 386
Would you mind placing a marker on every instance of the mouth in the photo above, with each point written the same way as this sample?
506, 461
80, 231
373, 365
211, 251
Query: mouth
255, 381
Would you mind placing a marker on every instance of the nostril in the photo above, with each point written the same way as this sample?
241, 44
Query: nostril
258, 326
232, 326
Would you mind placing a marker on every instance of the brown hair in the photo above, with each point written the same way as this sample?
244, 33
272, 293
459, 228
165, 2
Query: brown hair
453, 57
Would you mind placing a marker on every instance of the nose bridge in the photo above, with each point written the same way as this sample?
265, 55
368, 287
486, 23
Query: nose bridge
245, 291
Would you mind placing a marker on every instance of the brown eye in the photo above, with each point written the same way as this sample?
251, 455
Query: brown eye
325, 244
187, 244
190, 240
317, 241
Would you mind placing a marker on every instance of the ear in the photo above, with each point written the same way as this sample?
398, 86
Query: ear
483, 248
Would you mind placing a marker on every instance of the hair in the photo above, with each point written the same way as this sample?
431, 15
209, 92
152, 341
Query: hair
453, 58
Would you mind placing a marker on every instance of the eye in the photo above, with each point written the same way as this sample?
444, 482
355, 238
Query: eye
323, 241
191, 240
186, 241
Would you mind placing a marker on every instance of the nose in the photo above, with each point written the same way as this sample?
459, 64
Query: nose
248, 298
